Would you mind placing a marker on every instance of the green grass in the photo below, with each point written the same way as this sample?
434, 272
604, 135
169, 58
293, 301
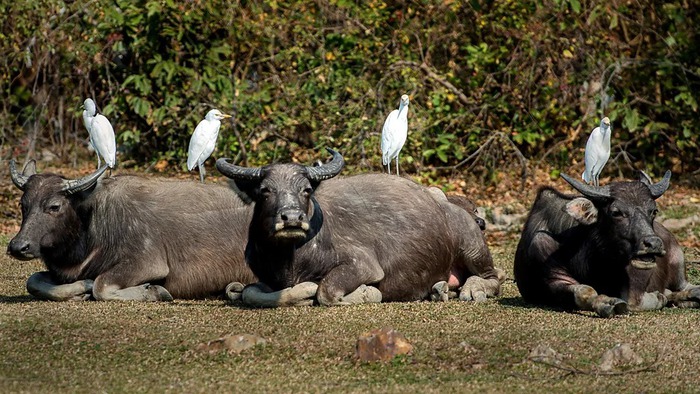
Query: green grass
136, 347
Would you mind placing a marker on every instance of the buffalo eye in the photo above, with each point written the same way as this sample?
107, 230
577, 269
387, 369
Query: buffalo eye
653, 212
265, 191
53, 208
307, 192
616, 213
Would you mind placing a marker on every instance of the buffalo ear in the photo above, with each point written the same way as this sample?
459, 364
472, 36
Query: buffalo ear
29, 168
583, 210
246, 190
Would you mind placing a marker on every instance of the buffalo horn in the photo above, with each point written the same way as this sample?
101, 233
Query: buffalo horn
658, 188
78, 185
645, 178
237, 172
18, 179
600, 192
328, 170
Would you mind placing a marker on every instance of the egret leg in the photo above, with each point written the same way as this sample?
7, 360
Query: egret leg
99, 162
202, 172
388, 167
397, 164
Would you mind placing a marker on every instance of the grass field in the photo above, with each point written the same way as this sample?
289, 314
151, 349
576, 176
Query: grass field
137, 347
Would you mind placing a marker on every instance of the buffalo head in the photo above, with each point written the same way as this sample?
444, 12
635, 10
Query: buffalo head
282, 194
49, 219
624, 213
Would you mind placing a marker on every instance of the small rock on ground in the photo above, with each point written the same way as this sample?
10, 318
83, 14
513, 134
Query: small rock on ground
382, 345
231, 343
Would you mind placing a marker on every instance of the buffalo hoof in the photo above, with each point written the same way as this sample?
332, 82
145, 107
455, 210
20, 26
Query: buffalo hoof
234, 290
160, 293
260, 295
440, 292
650, 302
478, 289
609, 306
362, 295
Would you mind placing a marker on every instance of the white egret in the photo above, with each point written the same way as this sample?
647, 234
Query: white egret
101, 134
203, 141
394, 134
597, 151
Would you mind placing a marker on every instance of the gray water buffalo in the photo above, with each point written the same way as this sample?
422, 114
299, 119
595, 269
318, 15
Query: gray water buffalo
343, 238
129, 238
602, 251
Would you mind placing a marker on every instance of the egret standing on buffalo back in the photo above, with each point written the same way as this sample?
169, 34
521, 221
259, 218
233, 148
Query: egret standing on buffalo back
597, 151
203, 141
101, 134
394, 134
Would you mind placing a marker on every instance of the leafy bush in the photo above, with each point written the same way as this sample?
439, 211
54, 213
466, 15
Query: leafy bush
299, 75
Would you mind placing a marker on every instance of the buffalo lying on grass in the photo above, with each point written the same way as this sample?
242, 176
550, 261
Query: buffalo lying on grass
338, 238
602, 251
129, 238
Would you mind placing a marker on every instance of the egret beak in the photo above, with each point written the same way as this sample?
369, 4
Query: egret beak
606, 120
225, 116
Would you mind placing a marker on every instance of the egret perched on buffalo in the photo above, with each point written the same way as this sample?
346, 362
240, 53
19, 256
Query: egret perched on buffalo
203, 141
597, 151
394, 134
101, 134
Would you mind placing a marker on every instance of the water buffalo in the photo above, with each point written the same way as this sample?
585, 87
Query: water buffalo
601, 251
129, 238
469, 206
334, 237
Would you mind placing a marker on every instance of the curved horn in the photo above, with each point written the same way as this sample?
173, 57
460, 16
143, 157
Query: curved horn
600, 192
645, 178
237, 172
328, 170
18, 179
84, 183
658, 188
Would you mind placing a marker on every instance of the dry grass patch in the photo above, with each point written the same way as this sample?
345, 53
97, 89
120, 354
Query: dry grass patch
98, 346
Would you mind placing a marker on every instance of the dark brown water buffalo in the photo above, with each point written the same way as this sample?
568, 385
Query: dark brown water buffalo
346, 233
130, 238
601, 251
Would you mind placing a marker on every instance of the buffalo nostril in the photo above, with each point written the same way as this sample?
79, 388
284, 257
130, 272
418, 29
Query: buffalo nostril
284, 217
301, 217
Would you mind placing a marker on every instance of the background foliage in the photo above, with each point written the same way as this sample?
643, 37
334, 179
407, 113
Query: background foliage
488, 79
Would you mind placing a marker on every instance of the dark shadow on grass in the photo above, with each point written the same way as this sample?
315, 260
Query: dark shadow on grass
519, 302
20, 299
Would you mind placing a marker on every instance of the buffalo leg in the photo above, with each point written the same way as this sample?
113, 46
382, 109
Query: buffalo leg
42, 286
261, 296
362, 295
127, 282
478, 288
649, 302
689, 297
346, 278
440, 291
588, 299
